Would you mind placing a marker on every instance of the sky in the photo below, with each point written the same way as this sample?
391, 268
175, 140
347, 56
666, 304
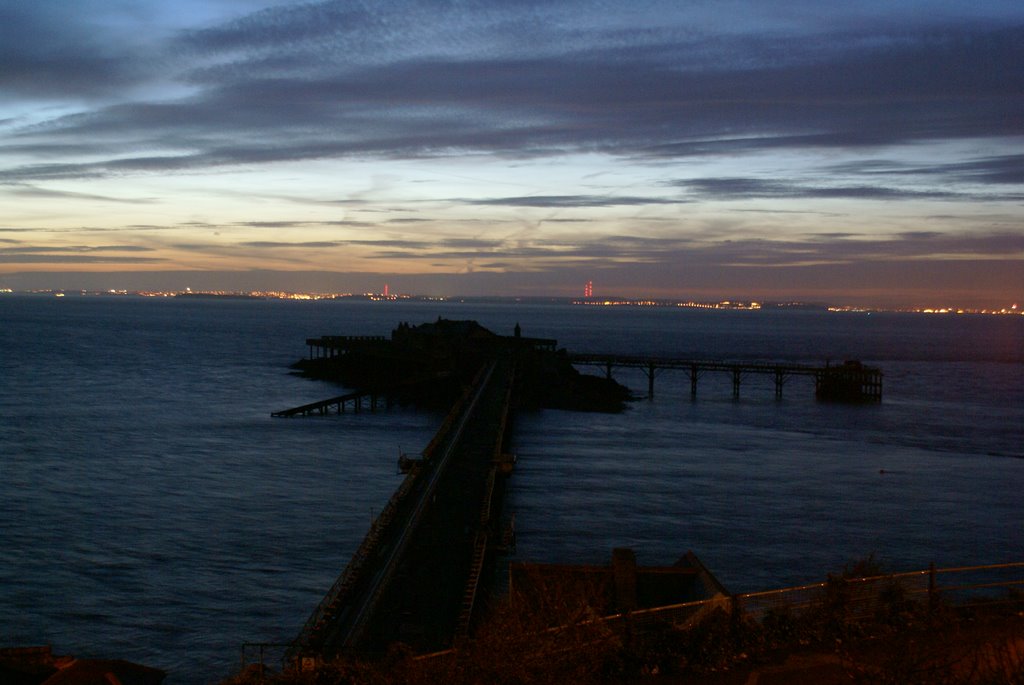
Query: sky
867, 153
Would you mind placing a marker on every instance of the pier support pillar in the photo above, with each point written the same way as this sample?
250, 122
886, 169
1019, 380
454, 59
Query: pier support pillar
736, 377
780, 379
650, 381
693, 380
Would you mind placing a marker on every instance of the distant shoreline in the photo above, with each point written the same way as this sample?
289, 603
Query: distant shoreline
729, 305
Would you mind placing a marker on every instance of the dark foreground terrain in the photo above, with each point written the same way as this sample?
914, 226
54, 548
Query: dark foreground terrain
949, 646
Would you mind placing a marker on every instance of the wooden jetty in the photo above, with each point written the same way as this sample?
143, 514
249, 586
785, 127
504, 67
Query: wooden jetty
850, 381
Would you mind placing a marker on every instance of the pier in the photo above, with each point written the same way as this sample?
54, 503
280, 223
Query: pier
353, 401
850, 381
328, 346
421, 572
416, 578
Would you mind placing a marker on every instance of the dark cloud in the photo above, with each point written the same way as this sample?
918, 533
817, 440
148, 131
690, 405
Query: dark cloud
298, 223
571, 201
1007, 169
75, 254
646, 97
49, 53
267, 244
48, 258
26, 190
1002, 169
679, 251
80, 249
399, 244
272, 224
756, 188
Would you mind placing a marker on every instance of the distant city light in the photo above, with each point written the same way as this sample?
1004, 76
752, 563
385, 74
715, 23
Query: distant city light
388, 296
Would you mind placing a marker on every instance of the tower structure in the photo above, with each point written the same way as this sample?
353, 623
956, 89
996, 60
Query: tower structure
588, 289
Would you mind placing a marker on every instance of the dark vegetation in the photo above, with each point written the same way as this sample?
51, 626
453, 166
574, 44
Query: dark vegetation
429, 365
900, 641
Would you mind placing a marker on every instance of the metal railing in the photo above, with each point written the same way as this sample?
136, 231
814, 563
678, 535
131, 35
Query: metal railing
861, 597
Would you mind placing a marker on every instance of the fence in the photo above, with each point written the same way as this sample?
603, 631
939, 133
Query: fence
861, 598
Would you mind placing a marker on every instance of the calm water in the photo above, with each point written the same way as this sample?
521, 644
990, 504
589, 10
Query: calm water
151, 509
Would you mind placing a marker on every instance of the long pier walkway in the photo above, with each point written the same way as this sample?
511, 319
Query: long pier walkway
415, 578
847, 381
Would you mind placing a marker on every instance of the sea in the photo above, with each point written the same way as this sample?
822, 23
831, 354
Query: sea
151, 509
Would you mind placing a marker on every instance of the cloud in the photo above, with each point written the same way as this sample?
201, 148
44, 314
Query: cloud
77, 254
572, 201
80, 249
300, 87
50, 53
1005, 169
681, 251
686, 111
26, 190
274, 245
733, 188
998, 169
